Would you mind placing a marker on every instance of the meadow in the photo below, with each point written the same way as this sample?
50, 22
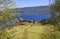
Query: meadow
36, 31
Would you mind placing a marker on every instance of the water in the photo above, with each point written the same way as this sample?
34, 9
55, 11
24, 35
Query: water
37, 17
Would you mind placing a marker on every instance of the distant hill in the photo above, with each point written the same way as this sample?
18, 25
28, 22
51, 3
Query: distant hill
37, 9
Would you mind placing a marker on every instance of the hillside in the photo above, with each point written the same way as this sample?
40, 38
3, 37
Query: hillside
37, 9
36, 31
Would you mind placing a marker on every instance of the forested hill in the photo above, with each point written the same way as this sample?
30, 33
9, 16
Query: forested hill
37, 9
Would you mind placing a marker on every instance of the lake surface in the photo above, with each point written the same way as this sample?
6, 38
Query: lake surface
37, 17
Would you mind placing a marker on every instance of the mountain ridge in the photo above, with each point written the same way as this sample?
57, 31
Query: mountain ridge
36, 9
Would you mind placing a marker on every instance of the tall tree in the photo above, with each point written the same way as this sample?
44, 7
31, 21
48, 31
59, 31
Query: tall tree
55, 12
55, 7
6, 13
6, 10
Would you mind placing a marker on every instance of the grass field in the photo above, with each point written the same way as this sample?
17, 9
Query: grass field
36, 31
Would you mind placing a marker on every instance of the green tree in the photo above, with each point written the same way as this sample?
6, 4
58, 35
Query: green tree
6, 13
55, 7
55, 12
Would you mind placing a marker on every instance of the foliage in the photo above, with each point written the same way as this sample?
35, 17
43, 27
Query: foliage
55, 13
55, 8
6, 14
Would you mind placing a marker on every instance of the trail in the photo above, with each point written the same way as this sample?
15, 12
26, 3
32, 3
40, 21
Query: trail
23, 29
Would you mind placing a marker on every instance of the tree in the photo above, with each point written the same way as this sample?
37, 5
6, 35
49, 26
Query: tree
55, 8
55, 12
6, 13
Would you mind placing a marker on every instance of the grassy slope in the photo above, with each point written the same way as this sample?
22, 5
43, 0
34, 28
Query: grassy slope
37, 31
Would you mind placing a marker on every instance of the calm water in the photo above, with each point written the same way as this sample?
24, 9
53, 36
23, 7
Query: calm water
37, 17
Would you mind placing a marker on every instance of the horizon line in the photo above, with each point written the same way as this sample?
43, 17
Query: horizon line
32, 6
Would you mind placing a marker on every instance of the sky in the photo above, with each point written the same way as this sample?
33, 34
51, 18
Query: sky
31, 3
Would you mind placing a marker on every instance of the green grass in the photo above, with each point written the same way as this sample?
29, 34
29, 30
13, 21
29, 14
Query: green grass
36, 31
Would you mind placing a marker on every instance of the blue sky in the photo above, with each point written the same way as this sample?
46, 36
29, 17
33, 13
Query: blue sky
31, 3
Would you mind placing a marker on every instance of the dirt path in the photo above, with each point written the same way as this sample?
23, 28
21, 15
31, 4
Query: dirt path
23, 29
